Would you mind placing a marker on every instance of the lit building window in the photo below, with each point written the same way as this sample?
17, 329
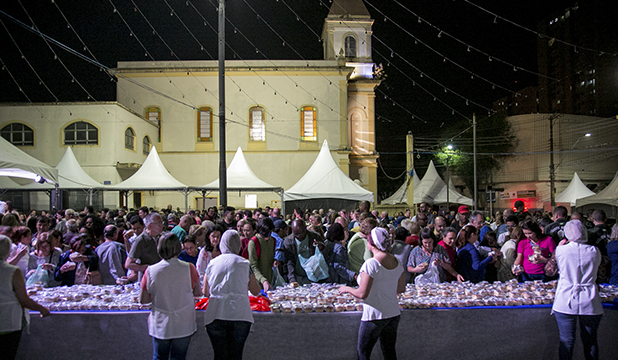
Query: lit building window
204, 124
18, 134
350, 46
257, 126
308, 123
129, 139
81, 133
146, 145
153, 114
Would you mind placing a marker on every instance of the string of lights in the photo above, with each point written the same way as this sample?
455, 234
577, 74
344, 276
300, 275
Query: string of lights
470, 48
23, 56
147, 53
540, 35
87, 49
56, 57
423, 74
6, 68
473, 75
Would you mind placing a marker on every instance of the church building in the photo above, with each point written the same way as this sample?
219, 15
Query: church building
279, 112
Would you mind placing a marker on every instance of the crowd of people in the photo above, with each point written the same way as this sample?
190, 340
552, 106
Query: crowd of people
262, 249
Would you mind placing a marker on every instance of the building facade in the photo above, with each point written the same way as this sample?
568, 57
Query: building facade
278, 112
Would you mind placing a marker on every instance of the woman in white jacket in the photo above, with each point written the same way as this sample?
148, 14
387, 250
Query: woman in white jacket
577, 295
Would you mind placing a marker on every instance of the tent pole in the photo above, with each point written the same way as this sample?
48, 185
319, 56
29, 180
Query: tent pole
90, 196
203, 200
282, 204
186, 204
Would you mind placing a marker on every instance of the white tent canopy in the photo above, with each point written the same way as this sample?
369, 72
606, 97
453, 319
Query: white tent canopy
8, 184
429, 187
608, 196
16, 163
454, 197
324, 179
576, 190
152, 175
401, 195
240, 177
70, 176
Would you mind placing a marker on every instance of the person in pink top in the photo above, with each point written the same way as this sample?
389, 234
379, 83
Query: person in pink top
533, 253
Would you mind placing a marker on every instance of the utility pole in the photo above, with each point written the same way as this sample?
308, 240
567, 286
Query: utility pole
448, 182
474, 145
552, 169
222, 162
410, 171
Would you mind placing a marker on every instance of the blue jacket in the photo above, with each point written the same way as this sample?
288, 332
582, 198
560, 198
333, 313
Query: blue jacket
339, 267
470, 264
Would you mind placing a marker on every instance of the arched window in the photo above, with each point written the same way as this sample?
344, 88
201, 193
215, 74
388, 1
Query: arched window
350, 46
257, 125
153, 114
308, 124
146, 145
81, 133
204, 124
18, 134
129, 139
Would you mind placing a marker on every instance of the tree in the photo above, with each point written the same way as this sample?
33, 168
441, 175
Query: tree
494, 143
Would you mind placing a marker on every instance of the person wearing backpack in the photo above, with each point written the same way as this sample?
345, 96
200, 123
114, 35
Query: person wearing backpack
261, 250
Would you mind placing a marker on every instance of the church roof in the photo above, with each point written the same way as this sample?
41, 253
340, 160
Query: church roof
348, 8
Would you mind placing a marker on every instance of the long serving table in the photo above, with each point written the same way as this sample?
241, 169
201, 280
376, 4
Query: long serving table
523, 332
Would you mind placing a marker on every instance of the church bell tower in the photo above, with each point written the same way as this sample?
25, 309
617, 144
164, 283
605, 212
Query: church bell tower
346, 37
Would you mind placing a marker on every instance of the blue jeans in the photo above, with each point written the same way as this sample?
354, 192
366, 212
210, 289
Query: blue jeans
369, 333
588, 325
174, 349
10, 344
532, 277
228, 338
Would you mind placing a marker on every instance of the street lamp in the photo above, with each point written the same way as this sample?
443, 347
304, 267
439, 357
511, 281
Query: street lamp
449, 150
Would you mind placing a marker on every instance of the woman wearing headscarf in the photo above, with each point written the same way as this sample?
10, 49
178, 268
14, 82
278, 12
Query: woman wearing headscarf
577, 295
381, 278
13, 301
228, 316
171, 286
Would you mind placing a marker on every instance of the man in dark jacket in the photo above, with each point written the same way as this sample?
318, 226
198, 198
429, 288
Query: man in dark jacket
302, 242
556, 229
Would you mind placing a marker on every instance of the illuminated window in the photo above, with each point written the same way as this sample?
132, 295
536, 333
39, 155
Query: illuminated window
18, 134
309, 128
129, 139
153, 114
146, 145
204, 124
81, 133
257, 126
350, 46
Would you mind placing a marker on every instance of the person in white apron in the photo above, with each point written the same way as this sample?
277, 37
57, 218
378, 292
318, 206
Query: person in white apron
577, 295
13, 303
171, 285
228, 316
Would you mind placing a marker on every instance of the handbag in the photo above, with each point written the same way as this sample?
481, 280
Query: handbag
551, 267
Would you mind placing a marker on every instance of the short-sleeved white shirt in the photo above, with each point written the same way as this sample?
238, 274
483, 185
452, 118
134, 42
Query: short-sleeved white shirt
381, 303
228, 279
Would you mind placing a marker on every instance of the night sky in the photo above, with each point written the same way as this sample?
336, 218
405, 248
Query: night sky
289, 29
